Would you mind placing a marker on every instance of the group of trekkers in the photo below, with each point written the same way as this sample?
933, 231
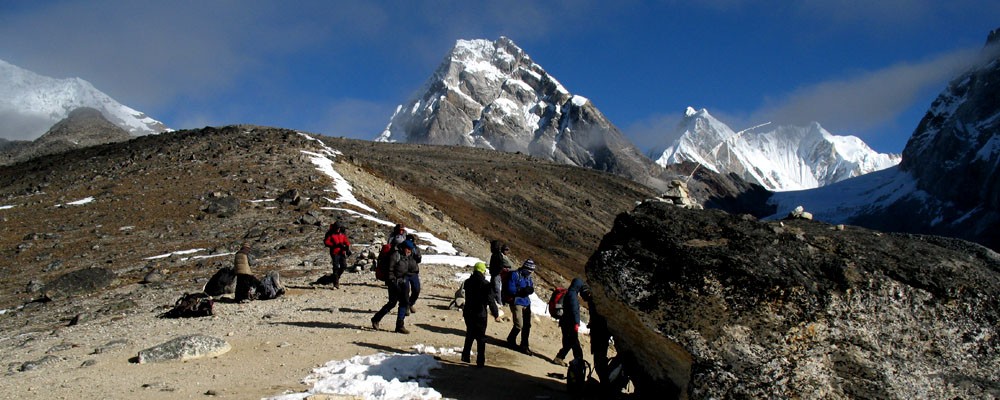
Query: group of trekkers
398, 265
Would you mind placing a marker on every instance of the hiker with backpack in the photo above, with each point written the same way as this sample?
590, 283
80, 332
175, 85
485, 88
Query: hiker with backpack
610, 371
340, 248
569, 323
401, 262
478, 296
518, 287
500, 265
413, 278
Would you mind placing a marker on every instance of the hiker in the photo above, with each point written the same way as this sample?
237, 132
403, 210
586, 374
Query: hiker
246, 283
413, 278
569, 323
499, 264
478, 296
520, 286
600, 338
400, 265
340, 249
397, 235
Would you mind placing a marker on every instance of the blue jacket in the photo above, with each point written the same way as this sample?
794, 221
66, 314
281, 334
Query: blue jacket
521, 285
571, 304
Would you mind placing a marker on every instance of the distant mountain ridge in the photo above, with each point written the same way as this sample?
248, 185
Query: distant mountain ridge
780, 158
83, 127
31, 103
490, 94
948, 182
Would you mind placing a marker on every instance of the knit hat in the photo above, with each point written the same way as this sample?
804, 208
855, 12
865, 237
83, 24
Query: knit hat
529, 265
480, 267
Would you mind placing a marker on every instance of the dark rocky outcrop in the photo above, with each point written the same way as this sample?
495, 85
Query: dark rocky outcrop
79, 282
714, 305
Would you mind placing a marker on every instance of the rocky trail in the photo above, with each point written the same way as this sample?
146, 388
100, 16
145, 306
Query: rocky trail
275, 344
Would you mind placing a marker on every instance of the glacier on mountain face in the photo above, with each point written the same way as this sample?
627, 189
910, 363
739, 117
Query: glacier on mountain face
30, 104
780, 158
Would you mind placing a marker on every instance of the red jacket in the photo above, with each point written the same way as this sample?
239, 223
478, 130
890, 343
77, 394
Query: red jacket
337, 243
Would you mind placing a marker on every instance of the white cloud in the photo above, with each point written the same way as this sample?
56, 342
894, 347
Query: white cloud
869, 99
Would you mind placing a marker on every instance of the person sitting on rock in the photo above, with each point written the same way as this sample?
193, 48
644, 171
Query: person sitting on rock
246, 283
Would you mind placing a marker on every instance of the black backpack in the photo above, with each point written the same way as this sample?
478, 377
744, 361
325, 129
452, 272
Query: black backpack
191, 305
577, 375
222, 282
270, 286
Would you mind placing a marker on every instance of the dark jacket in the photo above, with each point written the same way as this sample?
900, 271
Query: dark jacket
499, 262
401, 265
478, 296
571, 304
415, 253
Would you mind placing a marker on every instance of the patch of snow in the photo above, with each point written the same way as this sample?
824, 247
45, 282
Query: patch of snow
341, 186
579, 101
442, 351
455, 261
77, 202
174, 253
6, 207
208, 256
378, 376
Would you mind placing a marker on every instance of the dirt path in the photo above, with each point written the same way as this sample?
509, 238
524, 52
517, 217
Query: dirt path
275, 344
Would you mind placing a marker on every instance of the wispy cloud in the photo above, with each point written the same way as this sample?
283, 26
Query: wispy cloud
866, 100
354, 118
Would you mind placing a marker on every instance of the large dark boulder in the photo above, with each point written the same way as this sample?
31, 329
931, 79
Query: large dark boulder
714, 305
79, 282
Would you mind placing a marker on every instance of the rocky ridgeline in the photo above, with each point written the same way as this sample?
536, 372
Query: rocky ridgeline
713, 305
83, 127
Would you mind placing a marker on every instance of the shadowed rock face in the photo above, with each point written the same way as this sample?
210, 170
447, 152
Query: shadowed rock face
714, 305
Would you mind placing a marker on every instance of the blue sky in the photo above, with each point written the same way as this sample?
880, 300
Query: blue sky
864, 68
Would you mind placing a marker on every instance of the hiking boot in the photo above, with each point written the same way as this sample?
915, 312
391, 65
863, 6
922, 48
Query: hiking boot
559, 361
411, 309
526, 351
466, 358
400, 328
374, 324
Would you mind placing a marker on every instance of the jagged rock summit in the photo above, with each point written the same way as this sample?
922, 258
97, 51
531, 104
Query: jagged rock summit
713, 305
31, 103
779, 158
491, 94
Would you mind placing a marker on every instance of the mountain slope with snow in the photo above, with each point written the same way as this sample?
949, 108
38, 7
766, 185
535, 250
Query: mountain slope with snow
31, 103
779, 158
948, 182
490, 94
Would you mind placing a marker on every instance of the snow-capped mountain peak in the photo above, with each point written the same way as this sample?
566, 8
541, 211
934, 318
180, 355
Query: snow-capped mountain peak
780, 158
31, 103
491, 94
